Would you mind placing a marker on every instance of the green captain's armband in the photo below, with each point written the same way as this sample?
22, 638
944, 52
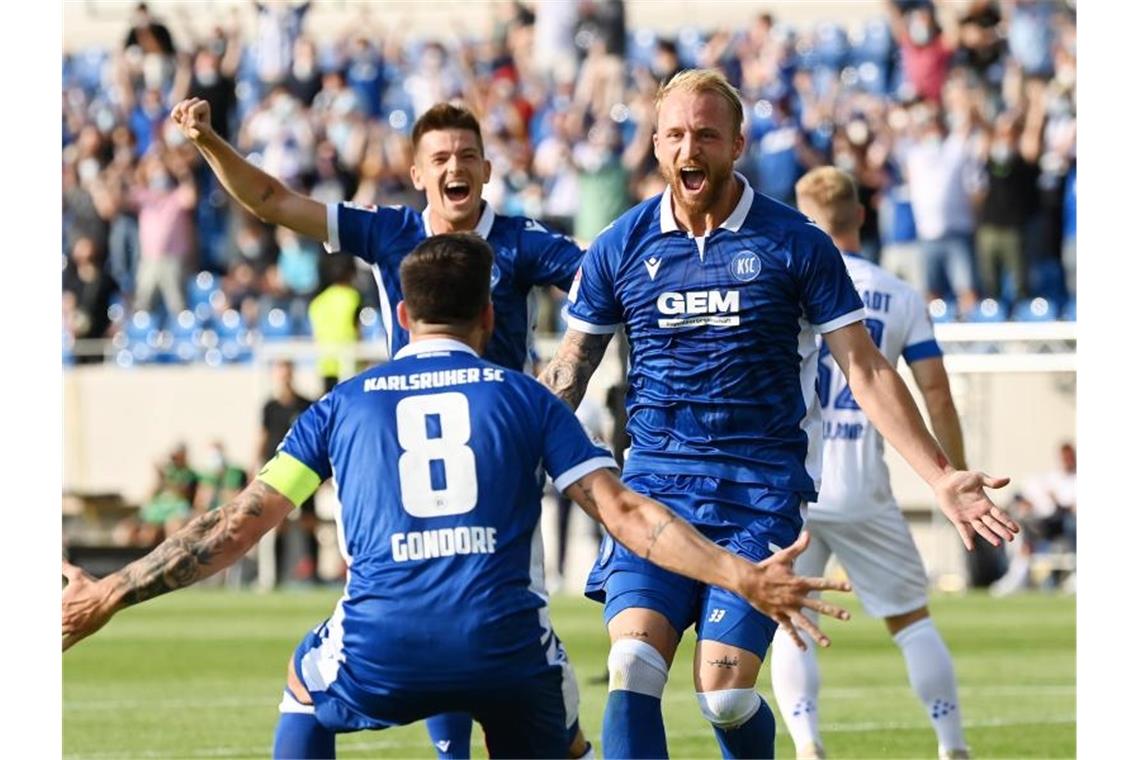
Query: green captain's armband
291, 477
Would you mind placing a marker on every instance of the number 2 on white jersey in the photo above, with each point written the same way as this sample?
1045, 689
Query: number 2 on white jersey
448, 446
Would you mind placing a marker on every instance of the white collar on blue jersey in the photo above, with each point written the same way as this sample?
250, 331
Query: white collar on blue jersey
482, 227
734, 221
433, 346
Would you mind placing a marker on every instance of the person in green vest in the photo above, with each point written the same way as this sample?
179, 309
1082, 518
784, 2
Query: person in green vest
219, 481
333, 314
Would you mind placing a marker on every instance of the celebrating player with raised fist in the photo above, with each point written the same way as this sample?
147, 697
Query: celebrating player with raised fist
723, 292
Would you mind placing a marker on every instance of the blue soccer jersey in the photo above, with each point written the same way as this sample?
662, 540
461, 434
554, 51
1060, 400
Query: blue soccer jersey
527, 255
722, 332
439, 460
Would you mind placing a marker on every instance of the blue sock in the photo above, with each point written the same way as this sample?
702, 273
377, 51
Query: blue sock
450, 735
756, 737
632, 726
300, 737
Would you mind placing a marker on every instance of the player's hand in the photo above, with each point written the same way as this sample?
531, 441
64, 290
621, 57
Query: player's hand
779, 593
85, 607
193, 117
962, 498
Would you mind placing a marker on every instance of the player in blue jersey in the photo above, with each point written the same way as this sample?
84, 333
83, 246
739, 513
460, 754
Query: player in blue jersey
450, 168
439, 459
856, 518
722, 292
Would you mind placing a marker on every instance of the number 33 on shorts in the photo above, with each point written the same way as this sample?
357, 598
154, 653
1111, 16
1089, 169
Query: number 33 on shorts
716, 615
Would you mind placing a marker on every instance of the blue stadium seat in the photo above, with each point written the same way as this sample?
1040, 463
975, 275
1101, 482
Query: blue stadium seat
142, 351
185, 350
236, 350
68, 348
988, 310
185, 325
140, 325
229, 325
202, 288
275, 324
1069, 313
942, 311
1035, 310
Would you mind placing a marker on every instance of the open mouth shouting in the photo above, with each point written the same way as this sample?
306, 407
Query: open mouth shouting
693, 178
457, 190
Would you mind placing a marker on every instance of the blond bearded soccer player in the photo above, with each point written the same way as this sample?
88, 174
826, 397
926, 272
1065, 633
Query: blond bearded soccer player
451, 169
856, 517
722, 292
436, 455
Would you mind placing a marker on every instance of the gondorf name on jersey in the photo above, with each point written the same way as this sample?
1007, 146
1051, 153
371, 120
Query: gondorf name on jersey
444, 542
699, 307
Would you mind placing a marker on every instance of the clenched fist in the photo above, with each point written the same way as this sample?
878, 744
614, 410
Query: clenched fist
193, 117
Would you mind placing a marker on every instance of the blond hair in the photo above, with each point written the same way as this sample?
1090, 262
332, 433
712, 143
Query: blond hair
705, 80
833, 197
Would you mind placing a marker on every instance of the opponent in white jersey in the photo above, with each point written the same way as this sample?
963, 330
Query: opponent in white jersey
856, 517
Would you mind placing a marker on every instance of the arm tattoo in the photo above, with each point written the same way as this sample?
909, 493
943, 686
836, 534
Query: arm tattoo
658, 529
266, 194
182, 559
568, 373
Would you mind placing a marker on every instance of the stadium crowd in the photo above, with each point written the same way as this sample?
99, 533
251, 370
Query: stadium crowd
957, 120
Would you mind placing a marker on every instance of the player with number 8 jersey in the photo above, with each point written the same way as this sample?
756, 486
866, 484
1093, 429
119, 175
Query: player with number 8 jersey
439, 458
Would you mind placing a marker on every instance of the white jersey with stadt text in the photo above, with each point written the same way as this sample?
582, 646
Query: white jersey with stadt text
855, 482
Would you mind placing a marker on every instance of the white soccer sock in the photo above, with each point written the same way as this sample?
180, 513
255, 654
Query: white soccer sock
795, 682
932, 677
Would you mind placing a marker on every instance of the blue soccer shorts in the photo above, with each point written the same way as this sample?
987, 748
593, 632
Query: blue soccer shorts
520, 718
752, 521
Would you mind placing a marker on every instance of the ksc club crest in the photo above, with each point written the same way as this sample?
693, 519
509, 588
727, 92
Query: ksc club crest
745, 266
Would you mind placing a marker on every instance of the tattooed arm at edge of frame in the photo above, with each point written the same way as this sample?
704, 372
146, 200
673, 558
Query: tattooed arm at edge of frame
207, 544
569, 372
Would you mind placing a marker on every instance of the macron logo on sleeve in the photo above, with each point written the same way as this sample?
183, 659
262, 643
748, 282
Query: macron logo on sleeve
652, 264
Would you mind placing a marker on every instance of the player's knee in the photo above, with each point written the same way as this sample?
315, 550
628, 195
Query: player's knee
637, 666
729, 708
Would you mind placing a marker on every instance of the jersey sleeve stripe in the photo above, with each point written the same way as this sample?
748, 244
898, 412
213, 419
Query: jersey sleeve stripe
291, 477
849, 318
332, 245
577, 472
927, 349
574, 323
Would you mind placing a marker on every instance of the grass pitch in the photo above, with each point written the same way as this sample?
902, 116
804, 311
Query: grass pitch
198, 674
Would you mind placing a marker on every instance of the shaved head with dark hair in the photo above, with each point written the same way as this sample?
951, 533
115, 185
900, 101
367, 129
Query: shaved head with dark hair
447, 279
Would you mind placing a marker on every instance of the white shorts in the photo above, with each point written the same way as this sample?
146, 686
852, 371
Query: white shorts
880, 558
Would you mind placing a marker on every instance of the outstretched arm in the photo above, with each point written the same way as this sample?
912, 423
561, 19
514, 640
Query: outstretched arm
264, 196
934, 384
569, 372
207, 544
653, 531
882, 394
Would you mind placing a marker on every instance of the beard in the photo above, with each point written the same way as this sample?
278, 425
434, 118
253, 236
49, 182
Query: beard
717, 181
